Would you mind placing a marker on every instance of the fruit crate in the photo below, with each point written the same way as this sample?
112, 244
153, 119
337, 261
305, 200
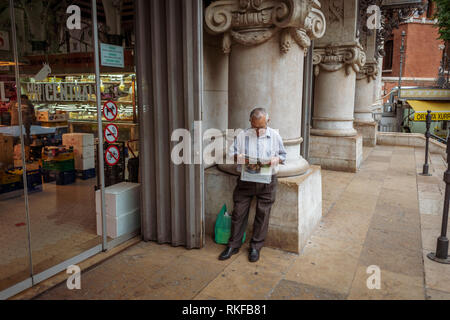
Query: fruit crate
53, 165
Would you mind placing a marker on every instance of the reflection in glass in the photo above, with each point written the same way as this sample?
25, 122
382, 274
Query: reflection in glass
14, 245
56, 82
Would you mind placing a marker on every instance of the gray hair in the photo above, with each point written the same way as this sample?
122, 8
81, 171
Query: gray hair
258, 113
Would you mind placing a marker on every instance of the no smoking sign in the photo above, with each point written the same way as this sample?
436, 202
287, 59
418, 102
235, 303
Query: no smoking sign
112, 155
111, 133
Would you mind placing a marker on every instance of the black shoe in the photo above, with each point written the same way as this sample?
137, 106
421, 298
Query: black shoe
253, 255
227, 253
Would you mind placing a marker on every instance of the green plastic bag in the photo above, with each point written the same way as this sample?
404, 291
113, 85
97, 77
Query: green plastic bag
222, 229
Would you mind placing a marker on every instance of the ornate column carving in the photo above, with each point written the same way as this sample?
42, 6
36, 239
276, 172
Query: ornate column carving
336, 56
253, 22
266, 41
368, 72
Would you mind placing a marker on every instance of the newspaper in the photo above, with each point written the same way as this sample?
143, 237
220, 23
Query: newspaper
257, 170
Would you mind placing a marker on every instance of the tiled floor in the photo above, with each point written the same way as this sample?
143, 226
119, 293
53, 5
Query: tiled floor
431, 191
371, 218
63, 224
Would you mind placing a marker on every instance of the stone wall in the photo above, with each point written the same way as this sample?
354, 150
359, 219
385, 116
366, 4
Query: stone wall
368, 132
411, 140
215, 84
337, 153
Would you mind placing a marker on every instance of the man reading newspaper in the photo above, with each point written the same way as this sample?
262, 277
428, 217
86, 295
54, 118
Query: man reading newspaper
258, 151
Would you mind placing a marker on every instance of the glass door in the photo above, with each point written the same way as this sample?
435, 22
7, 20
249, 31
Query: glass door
75, 161
15, 265
57, 86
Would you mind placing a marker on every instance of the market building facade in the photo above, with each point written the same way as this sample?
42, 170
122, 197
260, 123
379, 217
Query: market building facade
194, 65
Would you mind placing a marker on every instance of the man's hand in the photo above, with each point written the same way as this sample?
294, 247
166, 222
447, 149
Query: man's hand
274, 161
240, 159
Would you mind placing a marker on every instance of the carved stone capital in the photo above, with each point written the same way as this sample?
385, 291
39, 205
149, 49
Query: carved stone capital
368, 71
252, 22
333, 57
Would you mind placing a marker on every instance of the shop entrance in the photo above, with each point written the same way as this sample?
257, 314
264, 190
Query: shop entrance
69, 136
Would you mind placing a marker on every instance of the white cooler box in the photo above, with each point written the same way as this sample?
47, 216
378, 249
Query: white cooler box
120, 199
83, 149
84, 152
84, 163
118, 226
78, 140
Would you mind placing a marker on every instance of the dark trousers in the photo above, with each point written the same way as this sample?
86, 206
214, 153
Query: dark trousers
242, 197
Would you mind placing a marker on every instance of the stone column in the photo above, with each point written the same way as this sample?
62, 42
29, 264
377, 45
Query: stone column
338, 56
266, 41
364, 103
365, 88
377, 94
334, 96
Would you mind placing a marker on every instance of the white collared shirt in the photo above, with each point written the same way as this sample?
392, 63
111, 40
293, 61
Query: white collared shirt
267, 145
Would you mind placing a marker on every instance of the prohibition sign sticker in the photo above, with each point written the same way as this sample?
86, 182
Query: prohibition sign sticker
111, 133
110, 110
112, 155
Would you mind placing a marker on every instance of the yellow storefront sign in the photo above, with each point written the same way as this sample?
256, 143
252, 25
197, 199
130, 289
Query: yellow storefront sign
435, 116
440, 110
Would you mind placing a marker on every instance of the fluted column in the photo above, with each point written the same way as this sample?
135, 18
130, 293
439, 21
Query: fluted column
335, 69
266, 41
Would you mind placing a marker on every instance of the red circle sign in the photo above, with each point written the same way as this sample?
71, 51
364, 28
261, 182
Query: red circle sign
112, 155
110, 110
111, 133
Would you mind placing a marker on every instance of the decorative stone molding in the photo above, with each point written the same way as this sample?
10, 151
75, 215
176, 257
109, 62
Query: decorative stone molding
336, 56
369, 71
253, 22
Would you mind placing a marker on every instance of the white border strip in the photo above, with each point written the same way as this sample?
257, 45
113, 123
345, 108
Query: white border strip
15, 289
63, 265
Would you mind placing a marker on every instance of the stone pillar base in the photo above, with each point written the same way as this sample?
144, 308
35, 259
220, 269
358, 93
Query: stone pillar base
368, 130
295, 214
336, 153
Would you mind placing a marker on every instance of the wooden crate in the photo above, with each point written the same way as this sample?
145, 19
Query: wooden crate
6, 150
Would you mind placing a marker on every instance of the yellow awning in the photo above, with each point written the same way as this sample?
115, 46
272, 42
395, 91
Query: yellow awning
440, 109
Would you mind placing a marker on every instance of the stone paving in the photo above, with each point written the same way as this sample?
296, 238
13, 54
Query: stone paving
372, 217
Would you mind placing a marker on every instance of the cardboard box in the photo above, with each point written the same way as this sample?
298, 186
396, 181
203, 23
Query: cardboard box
6, 150
30, 166
46, 116
118, 226
120, 198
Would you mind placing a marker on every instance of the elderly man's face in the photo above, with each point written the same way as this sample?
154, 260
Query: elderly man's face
259, 125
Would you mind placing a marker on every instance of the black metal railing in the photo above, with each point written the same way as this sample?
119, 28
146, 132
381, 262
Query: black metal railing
435, 137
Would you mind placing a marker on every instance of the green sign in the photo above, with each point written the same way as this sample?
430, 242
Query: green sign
111, 56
